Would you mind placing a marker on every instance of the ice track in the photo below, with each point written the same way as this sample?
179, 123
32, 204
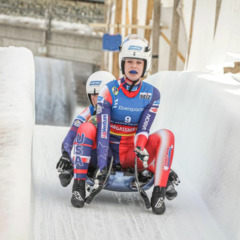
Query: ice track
111, 215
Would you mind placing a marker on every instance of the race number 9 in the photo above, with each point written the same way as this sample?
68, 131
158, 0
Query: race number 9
127, 119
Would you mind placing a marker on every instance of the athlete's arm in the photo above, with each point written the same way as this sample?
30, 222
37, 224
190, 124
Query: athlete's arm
103, 126
84, 116
146, 120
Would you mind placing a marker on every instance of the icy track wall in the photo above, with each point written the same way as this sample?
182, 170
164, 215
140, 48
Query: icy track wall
203, 111
54, 94
16, 131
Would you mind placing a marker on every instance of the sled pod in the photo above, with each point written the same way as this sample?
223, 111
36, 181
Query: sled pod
119, 182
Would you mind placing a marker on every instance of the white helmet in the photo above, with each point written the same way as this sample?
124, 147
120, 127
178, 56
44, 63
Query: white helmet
96, 81
134, 46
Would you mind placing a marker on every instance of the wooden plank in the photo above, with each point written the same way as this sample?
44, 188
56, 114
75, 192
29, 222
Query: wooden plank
132, 26
126, 19
134, 16
118, 21
118, 15
156, 35
174, 37
108, 17
169, 43
218, 8
147, 32
191, 30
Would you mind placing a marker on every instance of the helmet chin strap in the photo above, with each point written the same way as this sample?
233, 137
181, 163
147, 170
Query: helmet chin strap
133, 83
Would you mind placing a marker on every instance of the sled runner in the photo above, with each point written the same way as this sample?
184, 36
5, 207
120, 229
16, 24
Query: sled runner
122, 181
127, 180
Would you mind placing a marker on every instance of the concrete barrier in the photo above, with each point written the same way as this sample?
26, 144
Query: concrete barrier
16, 131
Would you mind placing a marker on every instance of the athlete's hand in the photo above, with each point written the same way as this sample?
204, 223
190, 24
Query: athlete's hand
143, 155
93, 120
99, 177
64, 162
173, 177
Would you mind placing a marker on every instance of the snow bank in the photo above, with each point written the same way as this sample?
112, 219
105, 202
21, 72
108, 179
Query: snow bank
16, 131
203, 111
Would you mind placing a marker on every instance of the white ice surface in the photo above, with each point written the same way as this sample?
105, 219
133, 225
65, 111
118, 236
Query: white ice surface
16, 131
202, 110
111, 215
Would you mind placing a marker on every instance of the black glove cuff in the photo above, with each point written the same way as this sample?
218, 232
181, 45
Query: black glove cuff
65, 154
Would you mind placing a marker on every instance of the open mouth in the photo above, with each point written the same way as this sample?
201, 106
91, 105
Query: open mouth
133, 72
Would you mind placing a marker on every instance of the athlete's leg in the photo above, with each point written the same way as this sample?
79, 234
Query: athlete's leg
160, 147
120, 146
82, 149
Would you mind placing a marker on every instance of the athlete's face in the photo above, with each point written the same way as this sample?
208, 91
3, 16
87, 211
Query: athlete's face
133, 68
94, 99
